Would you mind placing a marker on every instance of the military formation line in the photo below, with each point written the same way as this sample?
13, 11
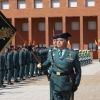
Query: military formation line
19, 63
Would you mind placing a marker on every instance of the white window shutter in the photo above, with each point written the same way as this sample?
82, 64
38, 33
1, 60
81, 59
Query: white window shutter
58, 26
72, 3
41, 26
75, 25
75, 46
55, 3
92, 25
5, 4
90, 3
24, 26
21, 4
38, 4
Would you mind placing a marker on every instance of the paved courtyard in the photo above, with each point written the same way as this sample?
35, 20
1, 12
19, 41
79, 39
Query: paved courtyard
37, 88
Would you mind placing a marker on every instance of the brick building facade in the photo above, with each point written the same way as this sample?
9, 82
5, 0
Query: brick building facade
36, 20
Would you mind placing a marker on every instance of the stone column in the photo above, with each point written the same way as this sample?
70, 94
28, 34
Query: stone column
30, 29
47, 31
98, 34
81, 33
13, 23
64, 24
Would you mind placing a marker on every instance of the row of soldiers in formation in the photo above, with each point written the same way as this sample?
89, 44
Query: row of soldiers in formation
84, 57
19, 63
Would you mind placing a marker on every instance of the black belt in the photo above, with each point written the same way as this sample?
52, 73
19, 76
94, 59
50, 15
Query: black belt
61, 74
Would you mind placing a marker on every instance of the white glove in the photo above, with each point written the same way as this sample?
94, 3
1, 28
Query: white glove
39, 65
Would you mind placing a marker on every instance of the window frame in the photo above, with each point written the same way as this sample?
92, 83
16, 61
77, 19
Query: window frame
89, 28
35, 4
53, 4
40, 26
78, 26
92, 47
87, 4
27, 27
18, 4
2, 5
55, 27
72, 6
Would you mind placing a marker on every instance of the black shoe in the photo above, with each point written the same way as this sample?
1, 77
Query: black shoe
31, 76
10, 83
34, 75
16, 81
2, 86
21, 79
5, 79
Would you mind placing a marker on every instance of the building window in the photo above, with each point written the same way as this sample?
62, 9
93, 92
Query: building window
90, 3
55, 3
5, 4
21, 4
72, 3
75, 25
58, 26
75, 46
92, 25
38, 4
25, 27
92, 46
41, 26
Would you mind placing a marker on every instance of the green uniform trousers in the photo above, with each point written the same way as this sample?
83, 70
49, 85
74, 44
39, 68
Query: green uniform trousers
21, 71
61, 95
31, 69
9, 76
15, 74
27, 70
1, 78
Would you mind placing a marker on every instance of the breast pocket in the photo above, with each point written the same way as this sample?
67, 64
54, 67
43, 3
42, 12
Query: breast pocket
68, 62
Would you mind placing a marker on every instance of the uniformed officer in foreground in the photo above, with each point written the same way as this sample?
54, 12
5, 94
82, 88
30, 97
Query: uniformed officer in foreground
64, 62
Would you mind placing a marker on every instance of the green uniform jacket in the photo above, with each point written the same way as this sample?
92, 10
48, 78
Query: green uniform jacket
27, 56
21, 58
68, 62
15, 59
9, 61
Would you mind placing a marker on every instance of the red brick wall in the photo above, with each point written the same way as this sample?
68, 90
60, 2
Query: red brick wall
89, 35
52, 27
75, 33
24, 35
55, 14
38, 36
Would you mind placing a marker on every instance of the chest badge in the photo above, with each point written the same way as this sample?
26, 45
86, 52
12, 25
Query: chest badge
70, 55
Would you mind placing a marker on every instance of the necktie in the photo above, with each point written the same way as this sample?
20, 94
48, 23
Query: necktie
60, 53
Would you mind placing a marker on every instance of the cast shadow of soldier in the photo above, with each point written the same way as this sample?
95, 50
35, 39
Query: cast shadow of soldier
27, 82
